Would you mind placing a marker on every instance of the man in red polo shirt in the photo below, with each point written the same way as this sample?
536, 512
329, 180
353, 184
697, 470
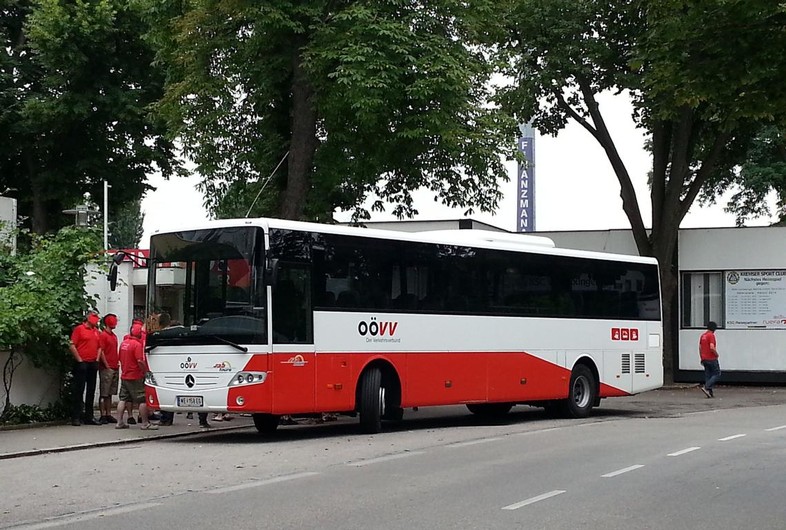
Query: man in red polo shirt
108, 369
709, 359
85, 347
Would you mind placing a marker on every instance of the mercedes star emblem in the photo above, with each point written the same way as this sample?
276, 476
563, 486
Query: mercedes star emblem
189, 380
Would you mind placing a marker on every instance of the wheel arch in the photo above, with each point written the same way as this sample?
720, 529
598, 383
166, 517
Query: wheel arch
587, 361
390, 380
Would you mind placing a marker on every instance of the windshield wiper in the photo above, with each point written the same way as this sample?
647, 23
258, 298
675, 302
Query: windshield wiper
228, 342
199, 339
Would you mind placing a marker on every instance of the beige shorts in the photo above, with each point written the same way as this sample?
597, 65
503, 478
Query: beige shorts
108, 381
132, 390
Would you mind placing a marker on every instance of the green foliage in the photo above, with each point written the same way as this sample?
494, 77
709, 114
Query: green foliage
26, 414
127, 227
75, 84
42, 296
396, 98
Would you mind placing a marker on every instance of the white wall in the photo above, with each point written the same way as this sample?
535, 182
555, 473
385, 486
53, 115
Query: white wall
31, 385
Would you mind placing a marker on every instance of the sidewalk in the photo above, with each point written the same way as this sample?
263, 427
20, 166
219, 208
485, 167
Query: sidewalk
55, 438
674, 400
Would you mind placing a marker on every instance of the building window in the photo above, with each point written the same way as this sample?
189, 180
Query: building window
702, 299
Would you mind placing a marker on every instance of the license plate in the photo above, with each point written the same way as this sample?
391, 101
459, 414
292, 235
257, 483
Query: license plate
189, 401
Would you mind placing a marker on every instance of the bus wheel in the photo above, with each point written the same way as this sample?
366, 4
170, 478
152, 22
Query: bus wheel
490, 410
582, 392
266, 423
372, 401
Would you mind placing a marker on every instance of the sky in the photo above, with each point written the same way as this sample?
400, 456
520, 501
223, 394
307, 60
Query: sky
575, 187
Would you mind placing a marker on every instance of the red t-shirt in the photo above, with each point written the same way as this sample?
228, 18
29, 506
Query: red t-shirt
707, 339
108, 341
130, 355
86, 341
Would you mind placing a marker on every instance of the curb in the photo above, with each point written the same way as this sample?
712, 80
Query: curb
108, 443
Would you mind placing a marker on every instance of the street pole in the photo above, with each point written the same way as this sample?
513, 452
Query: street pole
106, 215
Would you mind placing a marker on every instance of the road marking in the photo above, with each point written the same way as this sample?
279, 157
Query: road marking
776, 428
88, 516
730, 437
621, 471
257, 483
684, 451
388, 458
473, 442
534, 500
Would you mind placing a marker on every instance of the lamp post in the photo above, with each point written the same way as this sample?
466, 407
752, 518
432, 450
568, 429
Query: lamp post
83, 213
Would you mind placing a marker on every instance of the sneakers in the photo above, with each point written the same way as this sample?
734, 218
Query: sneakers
148, 427
76, 423
131, 420
218, 417
102, 420
204, 425
707, 393
111, 419
121, 425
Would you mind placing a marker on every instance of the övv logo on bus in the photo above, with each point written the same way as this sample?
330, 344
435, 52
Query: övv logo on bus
374, 328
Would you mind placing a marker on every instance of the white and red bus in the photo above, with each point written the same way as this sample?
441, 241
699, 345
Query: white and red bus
286, 318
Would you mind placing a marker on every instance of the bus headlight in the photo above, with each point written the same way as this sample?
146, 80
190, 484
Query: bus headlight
248, 378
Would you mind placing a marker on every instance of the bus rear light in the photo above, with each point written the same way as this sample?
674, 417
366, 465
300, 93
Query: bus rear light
150, 379
240, 400
248, 378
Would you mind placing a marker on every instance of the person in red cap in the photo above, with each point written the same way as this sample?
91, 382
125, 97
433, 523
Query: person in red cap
108, 369
85, 347
132, 379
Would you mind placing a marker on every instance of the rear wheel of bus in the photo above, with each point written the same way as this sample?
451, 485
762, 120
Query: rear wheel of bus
372, 401
582, 393
266, 423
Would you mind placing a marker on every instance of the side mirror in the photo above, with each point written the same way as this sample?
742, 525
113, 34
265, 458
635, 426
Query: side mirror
117, 259
112, 276
272, 272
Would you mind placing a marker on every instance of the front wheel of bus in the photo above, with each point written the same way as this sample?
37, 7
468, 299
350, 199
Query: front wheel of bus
266, 423
372, 401
582, 392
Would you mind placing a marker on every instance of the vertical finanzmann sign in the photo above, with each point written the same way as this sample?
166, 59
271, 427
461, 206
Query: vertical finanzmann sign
525, 191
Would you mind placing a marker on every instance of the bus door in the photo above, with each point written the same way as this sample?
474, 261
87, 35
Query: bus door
293, 363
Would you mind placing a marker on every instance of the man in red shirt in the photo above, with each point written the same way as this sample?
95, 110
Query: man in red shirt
85, 347
108, 369
132, 379
709, 359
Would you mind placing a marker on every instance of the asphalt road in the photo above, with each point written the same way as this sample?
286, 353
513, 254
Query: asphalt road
693, 465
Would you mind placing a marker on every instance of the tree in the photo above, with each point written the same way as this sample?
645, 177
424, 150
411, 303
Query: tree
42, 296
354, 97
704, 77
762, 172
75, 83
127, 228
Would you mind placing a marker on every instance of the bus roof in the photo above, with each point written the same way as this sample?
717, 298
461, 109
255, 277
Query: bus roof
470, 238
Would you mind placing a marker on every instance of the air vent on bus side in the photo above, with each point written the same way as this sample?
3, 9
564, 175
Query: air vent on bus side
638, 363
625, 363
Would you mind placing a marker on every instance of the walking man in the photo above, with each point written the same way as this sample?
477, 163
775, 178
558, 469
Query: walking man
709, 359
85, 347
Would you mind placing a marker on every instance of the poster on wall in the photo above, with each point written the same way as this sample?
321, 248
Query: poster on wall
756, 299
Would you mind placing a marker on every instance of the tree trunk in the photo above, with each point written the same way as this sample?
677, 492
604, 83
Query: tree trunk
38, 215
303, 144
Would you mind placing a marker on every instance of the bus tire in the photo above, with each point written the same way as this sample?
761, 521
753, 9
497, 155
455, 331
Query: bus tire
490, 410
582, 392
372, 401
266, 423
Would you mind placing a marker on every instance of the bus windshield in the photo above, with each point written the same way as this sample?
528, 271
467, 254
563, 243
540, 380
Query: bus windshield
211, 282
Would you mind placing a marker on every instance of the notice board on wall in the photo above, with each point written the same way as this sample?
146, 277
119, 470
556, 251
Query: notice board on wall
755, 299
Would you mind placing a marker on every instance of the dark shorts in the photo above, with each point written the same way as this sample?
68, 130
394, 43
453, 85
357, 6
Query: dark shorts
132, 390
108, 379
